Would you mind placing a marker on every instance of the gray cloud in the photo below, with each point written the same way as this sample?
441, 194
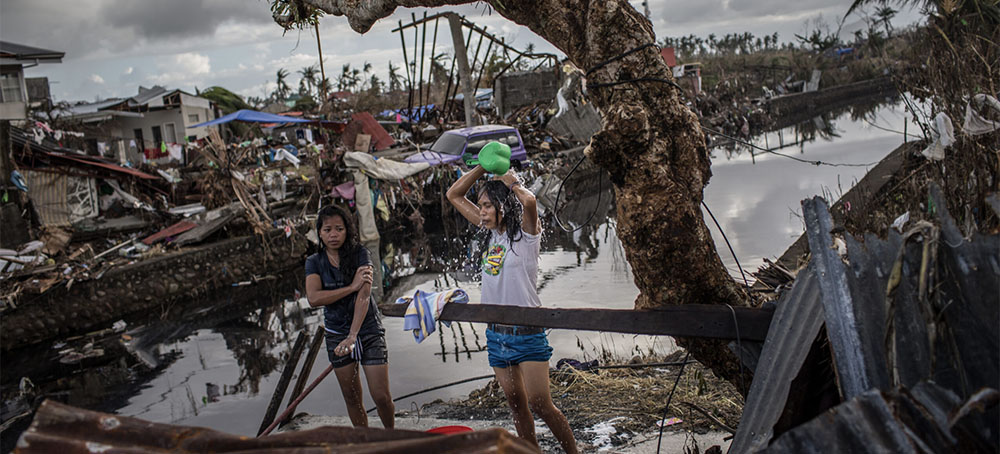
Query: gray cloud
182, 18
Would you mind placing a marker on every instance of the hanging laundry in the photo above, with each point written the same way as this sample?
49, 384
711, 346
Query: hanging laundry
344, 191
383, 208
176, 151
101, 148
425, 308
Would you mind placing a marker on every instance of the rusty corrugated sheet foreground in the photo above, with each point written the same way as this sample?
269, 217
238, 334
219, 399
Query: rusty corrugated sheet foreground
922, 420
67, 430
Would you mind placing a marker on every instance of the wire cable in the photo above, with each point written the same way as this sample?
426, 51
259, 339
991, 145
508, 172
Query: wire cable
807, 161
730, 246
597, 206
670, 397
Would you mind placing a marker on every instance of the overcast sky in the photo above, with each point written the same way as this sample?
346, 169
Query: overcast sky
113, 46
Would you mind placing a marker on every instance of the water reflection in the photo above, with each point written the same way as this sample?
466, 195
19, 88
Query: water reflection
796, 131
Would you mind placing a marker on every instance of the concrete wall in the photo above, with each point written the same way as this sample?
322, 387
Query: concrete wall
520, 89
170, 281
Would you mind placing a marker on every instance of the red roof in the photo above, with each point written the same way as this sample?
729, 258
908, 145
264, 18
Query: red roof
106, 165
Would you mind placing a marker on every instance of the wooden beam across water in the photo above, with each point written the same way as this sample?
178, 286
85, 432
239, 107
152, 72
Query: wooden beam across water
689, 320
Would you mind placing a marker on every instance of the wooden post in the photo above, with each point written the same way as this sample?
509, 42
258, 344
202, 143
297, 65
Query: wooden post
286, 376
423, 47
464, 72
307, 365
406, 61
430, 85
322, 72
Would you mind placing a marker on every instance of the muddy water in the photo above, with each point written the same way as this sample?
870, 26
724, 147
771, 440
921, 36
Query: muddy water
755, 198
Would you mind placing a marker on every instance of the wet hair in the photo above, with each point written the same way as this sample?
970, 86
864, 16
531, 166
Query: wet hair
508, 209
349, 250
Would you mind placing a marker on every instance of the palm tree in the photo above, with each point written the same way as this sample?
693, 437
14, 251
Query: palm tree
344, 79
395, 83
282, 89
885, 15
309, 74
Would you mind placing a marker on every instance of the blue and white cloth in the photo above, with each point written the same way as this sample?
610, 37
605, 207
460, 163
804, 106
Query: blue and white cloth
425, 308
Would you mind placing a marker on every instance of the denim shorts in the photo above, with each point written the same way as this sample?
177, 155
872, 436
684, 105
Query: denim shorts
369, 349
512, 349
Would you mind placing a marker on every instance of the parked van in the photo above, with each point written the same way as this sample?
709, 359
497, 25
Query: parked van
449, 148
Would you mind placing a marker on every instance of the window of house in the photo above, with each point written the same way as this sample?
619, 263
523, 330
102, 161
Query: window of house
157, 136
192, 118
10, 88
138, 139
171, 133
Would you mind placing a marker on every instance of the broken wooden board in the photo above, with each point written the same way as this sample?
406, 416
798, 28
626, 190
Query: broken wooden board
202, 231
689, 320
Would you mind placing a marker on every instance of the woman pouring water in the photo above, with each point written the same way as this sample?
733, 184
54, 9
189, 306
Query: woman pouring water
519, 355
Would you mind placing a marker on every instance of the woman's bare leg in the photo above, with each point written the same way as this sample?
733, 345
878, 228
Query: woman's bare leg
535, 375
513, 387
378, 387
350, 386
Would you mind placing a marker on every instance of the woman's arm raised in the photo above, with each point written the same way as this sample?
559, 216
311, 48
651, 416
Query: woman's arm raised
457, 191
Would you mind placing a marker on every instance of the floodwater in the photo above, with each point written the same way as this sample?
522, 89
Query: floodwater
755, 199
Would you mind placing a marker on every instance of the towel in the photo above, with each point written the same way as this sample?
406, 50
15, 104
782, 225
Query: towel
424, 308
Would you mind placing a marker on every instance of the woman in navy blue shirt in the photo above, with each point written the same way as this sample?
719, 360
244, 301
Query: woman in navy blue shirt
339, 278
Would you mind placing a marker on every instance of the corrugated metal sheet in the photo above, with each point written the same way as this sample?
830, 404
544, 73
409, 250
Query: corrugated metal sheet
899, 312
795, 325
61, 200
67, 430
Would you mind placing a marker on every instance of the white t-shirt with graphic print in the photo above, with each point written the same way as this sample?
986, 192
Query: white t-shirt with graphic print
510, 277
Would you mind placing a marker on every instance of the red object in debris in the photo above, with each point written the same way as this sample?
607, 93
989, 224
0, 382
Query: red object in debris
446, 430
364, 122
668, 56
176, 229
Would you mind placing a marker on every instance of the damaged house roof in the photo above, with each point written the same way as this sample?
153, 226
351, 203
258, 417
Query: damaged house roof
14, 53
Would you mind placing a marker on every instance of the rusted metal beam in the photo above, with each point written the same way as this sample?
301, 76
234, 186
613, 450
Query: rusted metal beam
689, 320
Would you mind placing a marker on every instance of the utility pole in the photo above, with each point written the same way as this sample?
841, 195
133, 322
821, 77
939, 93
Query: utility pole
464, 72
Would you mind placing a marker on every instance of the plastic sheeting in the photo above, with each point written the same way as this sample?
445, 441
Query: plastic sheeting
975, 123
382, 169
942, 136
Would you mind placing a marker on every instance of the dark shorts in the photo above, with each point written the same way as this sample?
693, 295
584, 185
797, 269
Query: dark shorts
369, 350
505, 350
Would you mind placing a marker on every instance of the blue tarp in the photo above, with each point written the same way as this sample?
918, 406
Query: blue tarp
417, 114
251, 116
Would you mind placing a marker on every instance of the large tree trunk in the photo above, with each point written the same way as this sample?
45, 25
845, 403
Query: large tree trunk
650, 143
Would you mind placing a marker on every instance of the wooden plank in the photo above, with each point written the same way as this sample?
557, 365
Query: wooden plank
689, 320
307, 365
286, 377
